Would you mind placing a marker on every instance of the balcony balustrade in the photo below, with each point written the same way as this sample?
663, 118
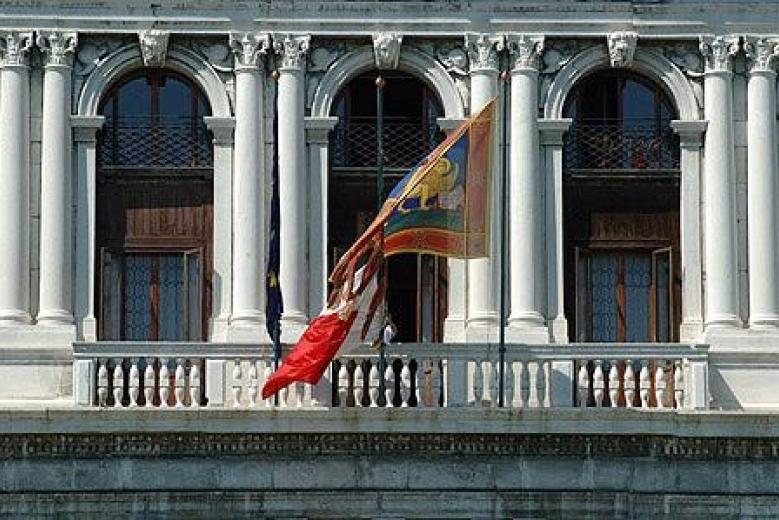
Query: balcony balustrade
655, 376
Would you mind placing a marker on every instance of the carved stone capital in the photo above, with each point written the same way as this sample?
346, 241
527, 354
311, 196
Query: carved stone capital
154, 47
622, 47
58, 48
249, 48
483, 50
718, 52
291, 49
525, 50
15, 48
386, 49
762, 53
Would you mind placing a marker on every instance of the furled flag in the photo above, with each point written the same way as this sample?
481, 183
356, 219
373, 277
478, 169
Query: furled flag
440, 207
274, 305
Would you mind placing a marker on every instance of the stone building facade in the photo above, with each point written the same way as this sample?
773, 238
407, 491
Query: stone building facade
639, 144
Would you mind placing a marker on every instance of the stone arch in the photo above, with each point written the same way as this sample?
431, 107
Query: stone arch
128, 58
413, 61
648, 62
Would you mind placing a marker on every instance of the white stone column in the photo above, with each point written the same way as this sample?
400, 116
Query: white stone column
551, 134
526, 259
719, 194
690, 142
762, 185
481, 320
293, 272
55, 305
247, 321
15, 185
317, 137
85, 135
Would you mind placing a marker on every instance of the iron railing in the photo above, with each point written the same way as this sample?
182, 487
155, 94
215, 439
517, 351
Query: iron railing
154, 142
629, 145
406, 141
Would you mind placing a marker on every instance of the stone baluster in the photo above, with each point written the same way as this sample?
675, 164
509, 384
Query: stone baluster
660, 383
118, 383
56, 207
358, 384
405, 384
373, 385
389, 385
478, 383
267, 372
148, 383
541, 384
437, 384
719, 188
248, 309
308, 393
164, 382
491, 390
679, 384
194, 384
417, 383
134, 382
584, 384
343, 385
15, 187
292, 50
180, 376
102, 382
237, 383
629, 384
297, 394
283, 395
614, 383
509, 396
762, 211
254, 384
644, 383
598, 384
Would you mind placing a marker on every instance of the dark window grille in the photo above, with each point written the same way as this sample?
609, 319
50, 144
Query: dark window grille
154, 142
627, 145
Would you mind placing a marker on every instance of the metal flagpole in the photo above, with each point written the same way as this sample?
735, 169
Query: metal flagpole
505, 78
380, 83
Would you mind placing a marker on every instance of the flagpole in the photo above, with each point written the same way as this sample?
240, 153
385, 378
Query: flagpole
504, 79
380, 83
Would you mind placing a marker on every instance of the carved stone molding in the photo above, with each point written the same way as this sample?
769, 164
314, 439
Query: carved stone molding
525, 50
15, 48
762, 53
58, 47
718, 52
249, 48
386, 49
454, 60
154, 47
483, 51
622, 48
291, 49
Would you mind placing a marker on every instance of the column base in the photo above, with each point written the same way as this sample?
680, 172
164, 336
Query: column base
13, 317
691, 331
726, 322
454, 330
217, 329
54, 317
525, 333
764, 321
243, 330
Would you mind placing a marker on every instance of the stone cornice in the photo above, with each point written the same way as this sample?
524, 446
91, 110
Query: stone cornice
718, 52
57, 47
292, 49
249, 49
15, 48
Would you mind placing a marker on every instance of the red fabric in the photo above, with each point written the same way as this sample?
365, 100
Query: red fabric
308, 359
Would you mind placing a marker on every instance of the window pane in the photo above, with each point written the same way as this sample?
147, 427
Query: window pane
171, 287
604, 304
663, 311
175, 98
137, 295
111, 289
193, 297
135, 97
638, 278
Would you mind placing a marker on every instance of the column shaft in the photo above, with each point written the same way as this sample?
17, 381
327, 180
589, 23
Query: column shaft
762, 199
15, 195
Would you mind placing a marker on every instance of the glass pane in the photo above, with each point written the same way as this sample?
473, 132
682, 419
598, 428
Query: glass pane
193, 297
175, 98
135, 97
137, 294
604, 276
171, 289
111, 302
663, 307
638, 278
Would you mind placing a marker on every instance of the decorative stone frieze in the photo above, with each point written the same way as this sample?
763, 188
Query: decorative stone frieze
525, 50
59, 48
154, 47
718, 52
483, 50
292, 50
15, 48
622, 47
386, 49
454, 60
762, 53
249, 48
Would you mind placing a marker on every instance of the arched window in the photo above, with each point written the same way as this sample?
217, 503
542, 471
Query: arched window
416, 283
154, 210
621, 210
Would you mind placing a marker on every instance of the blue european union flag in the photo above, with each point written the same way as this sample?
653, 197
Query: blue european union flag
274, 305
